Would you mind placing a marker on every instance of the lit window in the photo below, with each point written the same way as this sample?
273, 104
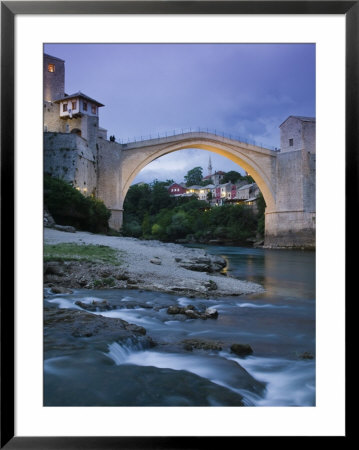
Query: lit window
93, 109
290, 142
85, 106
51, 67
64, 107
74, 104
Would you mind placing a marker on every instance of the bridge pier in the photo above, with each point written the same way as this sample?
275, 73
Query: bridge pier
290, 229
116, 219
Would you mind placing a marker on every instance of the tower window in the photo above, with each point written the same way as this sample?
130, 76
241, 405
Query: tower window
85, 106
64, 107
51, 67
290, 142
93, 109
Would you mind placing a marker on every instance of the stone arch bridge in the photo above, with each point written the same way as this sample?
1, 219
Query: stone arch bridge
285, 178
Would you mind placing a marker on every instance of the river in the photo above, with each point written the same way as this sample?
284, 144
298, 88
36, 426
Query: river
278, 324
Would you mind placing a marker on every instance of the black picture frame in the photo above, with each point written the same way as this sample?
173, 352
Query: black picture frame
9, 9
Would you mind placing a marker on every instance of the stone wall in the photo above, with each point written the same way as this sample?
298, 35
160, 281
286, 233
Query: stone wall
52, 122
291, 229
68, 156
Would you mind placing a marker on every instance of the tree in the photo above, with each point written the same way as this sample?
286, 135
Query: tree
160, 197
248, 179
232, 176
69, 207
206, 182
194, 176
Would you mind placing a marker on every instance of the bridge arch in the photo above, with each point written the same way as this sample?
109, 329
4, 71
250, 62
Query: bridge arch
286, 179
256, 161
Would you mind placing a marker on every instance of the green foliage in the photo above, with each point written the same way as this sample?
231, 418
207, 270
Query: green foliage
82, 252
155, 215
232, 176
261, 205
248, 179
206, 182
194, 176
69, 207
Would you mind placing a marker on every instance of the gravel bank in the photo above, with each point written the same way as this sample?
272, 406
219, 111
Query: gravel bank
157, 266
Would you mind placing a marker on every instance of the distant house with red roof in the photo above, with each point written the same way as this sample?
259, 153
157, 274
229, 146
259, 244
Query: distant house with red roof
176, 189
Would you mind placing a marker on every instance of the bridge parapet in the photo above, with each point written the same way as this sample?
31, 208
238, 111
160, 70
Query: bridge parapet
164, 138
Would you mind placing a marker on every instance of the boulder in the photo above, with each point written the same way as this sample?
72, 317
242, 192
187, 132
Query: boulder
95, 305
190, 344
192, 314
82, 324
48, 219
67, 228
306, 355
53, 268
195, 266
156, 261
60, 290
241, 349
211, 313
210, 285
174, 309
203, 263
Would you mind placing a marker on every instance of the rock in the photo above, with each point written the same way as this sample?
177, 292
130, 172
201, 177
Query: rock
66, 228
178, 259
53, 268
306, 355
48, 219
156, 261
121, 276
105, 273
174, 309
195, 266
60, 290
211, 313
192, 314
192, 307
204, 263
190, 344
95, 305
210, 285
82, 324
241, 349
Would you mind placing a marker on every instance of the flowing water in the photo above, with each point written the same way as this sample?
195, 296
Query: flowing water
278, 324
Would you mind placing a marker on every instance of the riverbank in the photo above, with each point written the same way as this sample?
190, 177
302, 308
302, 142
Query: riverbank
144, 265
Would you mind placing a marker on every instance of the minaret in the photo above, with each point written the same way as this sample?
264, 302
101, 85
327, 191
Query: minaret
209, 166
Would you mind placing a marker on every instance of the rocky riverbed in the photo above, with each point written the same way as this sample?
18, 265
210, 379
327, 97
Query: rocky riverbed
146, 265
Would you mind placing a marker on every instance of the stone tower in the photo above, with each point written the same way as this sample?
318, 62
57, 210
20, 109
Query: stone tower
54, 78
293, 222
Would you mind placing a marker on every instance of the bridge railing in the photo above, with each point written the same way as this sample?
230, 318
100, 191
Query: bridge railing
182, 131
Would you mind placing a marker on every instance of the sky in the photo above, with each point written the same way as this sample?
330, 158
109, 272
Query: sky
245, 90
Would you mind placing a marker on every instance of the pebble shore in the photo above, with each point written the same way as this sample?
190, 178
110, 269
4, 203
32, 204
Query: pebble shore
163, 267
